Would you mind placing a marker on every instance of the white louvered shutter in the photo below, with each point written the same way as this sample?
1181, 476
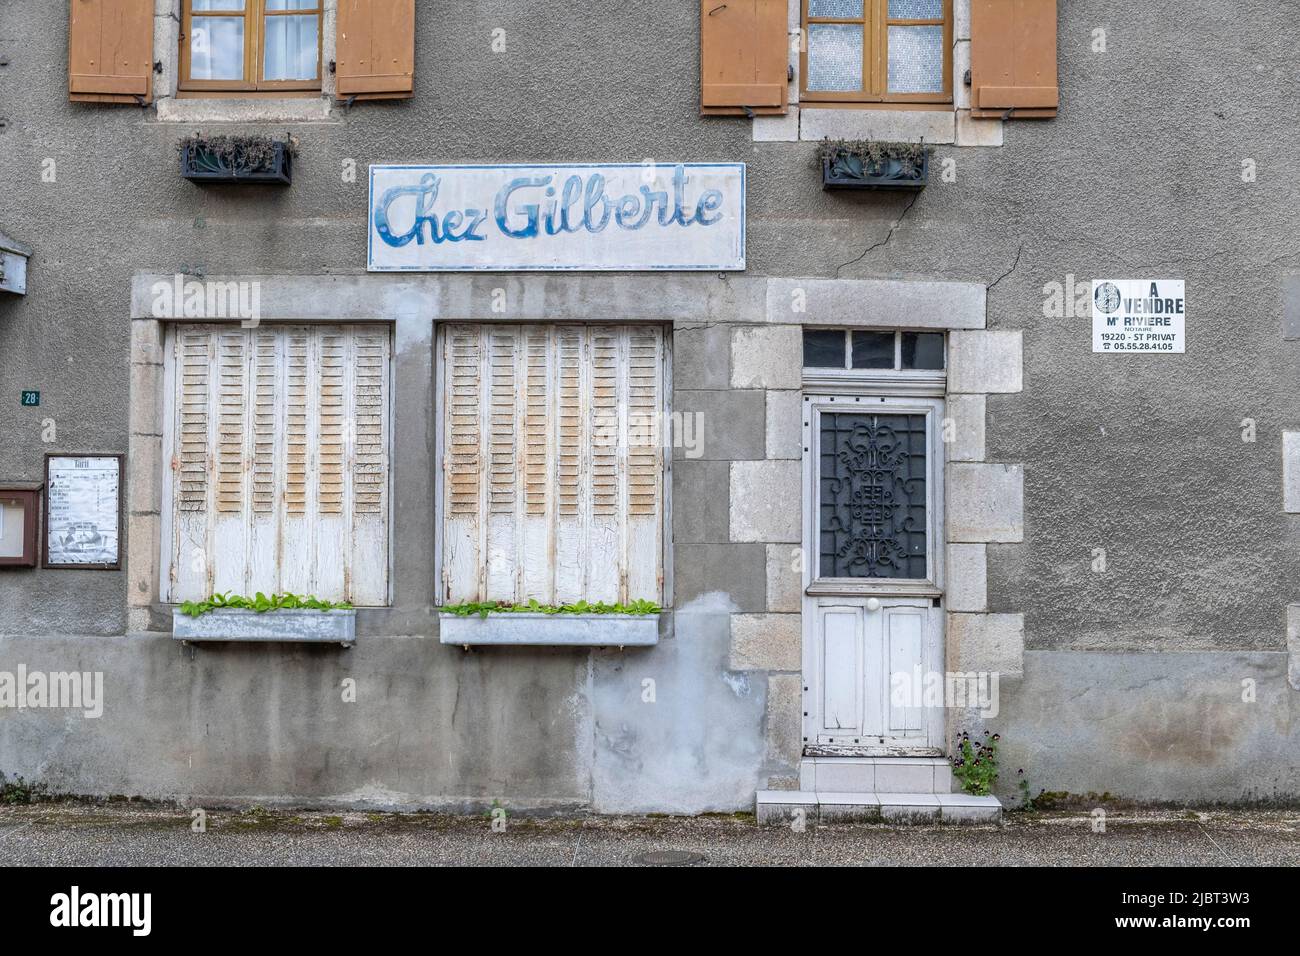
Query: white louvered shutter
280, 462
552, 463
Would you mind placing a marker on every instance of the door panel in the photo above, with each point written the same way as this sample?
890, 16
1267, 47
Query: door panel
841, 696
904, 644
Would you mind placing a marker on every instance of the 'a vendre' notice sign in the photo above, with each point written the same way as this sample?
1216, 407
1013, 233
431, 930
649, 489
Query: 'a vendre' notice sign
633, 217
1139, 315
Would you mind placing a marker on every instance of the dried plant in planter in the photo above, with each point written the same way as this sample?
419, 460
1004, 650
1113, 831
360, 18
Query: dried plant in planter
869, 164
237, 158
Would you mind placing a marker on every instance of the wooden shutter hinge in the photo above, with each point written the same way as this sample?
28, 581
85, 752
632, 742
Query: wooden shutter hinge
717, 8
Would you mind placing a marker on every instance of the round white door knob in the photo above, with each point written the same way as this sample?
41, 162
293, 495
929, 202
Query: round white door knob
873, 604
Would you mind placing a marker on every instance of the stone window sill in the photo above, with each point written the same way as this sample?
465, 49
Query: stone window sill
550, 630
298, 109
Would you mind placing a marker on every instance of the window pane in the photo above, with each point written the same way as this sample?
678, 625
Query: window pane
290, 48
873, 349
916, 59
834, 57
13, 518
836, 9
290, 4
922, 350
224, 6
823, 349
217, 48
916, 9
871, 476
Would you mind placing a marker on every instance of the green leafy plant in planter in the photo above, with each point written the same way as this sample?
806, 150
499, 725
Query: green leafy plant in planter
871, 164
484, 608
261, 604
976, 763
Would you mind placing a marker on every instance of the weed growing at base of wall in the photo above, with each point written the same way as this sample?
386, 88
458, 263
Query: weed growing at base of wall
19, 791
976, 763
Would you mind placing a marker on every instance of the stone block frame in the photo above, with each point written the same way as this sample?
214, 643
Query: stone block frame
938, 125
984, 505
257, 108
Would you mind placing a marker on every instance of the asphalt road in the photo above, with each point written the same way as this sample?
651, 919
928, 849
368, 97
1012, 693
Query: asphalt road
75, 834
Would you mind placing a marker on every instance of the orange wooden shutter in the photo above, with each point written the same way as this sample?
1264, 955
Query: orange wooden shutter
743, 58
110, 51
375, 49
1013, 58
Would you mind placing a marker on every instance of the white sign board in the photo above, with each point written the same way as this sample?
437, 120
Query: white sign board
82, 511
579, 217
1138, 315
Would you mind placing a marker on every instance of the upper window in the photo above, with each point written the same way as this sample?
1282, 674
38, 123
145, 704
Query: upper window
251, 45
877, 51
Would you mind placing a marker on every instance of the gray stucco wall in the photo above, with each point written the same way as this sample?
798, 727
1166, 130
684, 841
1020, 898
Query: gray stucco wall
1139, 176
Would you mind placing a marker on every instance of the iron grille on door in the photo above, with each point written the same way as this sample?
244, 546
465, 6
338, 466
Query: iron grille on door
872, 477
279, 462
552, 463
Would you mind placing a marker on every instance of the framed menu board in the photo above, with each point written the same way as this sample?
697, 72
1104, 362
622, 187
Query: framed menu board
83, 511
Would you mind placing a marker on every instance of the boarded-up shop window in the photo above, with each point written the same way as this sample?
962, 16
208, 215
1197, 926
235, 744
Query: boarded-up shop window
552, 463
279, 462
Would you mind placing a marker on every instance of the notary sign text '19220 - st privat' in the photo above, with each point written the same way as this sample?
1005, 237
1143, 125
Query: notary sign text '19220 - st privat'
577, 217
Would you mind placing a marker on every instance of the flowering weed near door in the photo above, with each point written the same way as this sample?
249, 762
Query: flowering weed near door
976, 763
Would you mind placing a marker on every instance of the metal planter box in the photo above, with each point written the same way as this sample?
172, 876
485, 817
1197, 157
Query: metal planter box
205, 166
889, 174
290, 626
551, 630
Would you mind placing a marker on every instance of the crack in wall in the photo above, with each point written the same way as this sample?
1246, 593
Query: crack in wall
893, 228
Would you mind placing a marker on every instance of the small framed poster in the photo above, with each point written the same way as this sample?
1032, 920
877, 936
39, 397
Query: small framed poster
83, 511
19, 508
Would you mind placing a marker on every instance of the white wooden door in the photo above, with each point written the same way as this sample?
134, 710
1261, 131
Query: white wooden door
873, 624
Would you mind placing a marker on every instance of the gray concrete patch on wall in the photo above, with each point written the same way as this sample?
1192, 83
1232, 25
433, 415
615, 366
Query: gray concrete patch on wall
679, 731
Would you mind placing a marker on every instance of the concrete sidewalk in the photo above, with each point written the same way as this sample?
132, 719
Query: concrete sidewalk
79, 834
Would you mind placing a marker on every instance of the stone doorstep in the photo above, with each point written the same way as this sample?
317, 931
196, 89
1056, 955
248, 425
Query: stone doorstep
775, 807
876, 774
